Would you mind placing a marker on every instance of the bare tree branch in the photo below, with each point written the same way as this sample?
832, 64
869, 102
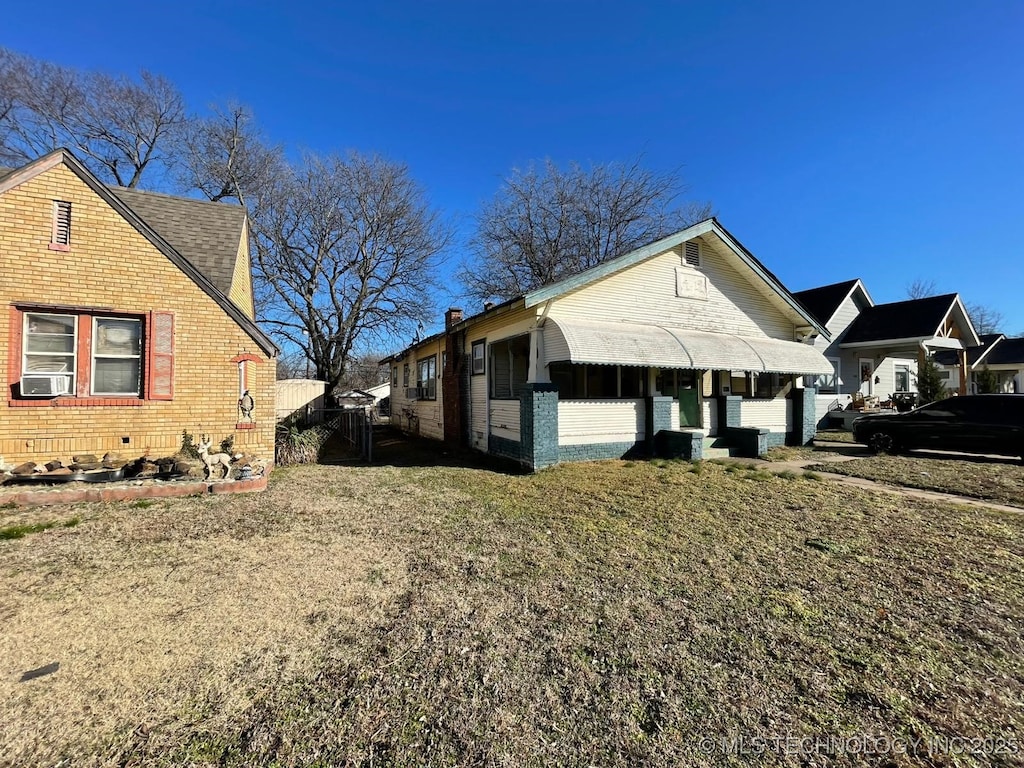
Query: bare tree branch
118, 126
921, 288
226, 156
346, 252
545, 224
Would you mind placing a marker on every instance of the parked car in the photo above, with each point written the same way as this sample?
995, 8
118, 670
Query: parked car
972, 423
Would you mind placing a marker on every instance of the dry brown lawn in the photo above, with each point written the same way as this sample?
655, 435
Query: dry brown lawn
999, 480
614, 613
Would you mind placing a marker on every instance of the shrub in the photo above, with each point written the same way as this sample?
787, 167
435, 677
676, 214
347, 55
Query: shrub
299, 446
930, 386
988, 381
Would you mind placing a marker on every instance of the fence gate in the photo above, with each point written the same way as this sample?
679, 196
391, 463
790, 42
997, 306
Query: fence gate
355, 427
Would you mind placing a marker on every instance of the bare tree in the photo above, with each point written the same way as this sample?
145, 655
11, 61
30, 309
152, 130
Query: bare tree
545, 224
346, 251
921, 288
118, 126
986, 319
365, 371
225, 155
291, 365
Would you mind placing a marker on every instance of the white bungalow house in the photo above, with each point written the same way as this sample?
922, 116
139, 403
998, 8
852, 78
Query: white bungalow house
874, 349
1002, 356
683, 343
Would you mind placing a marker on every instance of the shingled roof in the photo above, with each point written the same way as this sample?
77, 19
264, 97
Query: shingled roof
911, 319
196, 215
1007, 352
823, 302
951, 357
205, 233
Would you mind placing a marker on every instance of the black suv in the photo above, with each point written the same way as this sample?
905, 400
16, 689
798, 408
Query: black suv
972, 423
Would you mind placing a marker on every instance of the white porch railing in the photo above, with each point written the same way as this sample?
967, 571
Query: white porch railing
582, 422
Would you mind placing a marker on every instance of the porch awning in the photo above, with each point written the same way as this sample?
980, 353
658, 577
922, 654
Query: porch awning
605, 343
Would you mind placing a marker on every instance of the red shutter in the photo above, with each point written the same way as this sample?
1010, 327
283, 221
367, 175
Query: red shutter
14, 350
161, 356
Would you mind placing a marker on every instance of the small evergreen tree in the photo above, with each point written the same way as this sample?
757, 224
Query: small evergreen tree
987, 381
930, 385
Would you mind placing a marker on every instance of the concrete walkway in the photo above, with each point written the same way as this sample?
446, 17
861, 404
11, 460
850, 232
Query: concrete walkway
800, 465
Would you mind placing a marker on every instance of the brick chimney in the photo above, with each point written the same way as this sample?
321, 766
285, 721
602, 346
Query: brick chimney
452, 317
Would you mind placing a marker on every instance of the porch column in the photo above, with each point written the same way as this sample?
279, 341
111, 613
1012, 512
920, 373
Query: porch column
538, 424
962, 358
804, 415
538, 369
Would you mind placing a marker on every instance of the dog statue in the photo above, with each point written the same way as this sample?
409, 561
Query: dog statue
212, 460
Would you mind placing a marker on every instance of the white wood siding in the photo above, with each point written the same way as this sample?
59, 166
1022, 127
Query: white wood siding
505, 419
493, 329
709, 415
737, 300
675, 414
424, 417
600, 421
478, 412
775, 414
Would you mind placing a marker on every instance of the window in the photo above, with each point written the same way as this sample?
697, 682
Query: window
902, 378
60, 237
577, 381
405, 376
50, 353
478, 357
770, 385
510, 365
77, 356
426, 378
394, 376
117, 357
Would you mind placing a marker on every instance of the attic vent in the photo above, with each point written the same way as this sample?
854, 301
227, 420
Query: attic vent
691, 256
61, 223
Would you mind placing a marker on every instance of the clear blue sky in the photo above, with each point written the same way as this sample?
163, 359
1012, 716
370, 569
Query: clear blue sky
835, 140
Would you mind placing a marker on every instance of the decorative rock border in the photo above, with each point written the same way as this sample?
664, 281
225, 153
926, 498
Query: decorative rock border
74, 493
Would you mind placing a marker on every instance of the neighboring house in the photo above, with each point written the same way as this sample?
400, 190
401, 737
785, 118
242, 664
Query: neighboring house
1002, 356
688, 338
129, 319
874, 349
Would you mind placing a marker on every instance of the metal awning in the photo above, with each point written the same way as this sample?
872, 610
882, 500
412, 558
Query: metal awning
606, 343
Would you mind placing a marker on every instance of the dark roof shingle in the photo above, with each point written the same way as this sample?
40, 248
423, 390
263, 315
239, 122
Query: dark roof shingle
1006, 352
823, 302
951, 357
205, 233
914, 318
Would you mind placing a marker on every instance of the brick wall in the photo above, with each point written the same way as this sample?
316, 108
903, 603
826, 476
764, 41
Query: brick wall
113, 268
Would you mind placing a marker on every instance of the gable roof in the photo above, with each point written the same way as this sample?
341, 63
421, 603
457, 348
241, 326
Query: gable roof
912, 318
989, 342
205, 233
712, 225
65, 157
823, 302
1006, 352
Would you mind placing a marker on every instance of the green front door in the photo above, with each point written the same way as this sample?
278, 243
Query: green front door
685, 387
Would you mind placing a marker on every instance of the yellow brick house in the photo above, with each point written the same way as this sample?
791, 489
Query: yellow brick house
127, 317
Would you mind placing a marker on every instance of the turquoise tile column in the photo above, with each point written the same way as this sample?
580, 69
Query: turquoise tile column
658, 418
804, 416
538, 424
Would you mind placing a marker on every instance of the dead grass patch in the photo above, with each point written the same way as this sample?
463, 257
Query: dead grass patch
591, 614
993, 480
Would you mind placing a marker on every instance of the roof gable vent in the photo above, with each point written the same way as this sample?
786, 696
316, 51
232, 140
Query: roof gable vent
691, 253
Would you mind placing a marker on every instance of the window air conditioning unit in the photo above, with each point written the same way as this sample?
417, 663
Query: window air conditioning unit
45, 386
413, 393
